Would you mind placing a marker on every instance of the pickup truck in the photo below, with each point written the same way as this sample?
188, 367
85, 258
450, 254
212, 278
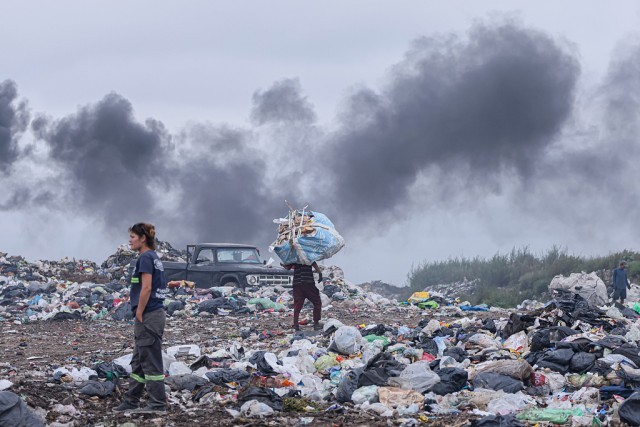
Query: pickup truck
226, 264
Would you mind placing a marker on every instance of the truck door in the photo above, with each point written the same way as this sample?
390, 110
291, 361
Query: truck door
200, 269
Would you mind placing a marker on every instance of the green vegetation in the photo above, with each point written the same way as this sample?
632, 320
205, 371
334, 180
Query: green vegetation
507, 280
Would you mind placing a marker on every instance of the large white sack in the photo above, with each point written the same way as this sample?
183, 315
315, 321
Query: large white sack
588, 286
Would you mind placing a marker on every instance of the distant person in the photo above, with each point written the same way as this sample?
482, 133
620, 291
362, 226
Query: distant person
304, 287
620, 283
148, 289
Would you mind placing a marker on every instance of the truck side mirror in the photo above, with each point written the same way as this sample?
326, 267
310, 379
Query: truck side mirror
264, 262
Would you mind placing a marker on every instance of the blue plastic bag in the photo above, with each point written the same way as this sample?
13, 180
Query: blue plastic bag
322, 244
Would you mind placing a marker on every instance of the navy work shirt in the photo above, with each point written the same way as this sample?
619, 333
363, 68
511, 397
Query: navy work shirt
149, 262
619, 279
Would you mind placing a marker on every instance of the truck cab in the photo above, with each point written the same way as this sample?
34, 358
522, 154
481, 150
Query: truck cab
226, 264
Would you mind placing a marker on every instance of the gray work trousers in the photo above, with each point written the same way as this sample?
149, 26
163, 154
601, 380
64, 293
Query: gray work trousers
146, 364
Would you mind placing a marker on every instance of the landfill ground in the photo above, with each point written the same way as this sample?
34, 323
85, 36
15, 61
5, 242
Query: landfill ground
30, 352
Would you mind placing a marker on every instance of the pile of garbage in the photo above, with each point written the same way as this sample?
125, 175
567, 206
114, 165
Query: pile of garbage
116, 265
571, 360
567, 362
32, 291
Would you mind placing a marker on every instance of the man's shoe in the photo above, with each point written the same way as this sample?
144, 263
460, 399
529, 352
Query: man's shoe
318, 326
125, 407
151, 410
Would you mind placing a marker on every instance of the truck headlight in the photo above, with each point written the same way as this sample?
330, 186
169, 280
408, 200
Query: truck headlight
252, 280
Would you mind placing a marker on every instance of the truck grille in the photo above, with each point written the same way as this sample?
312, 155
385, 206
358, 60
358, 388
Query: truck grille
275, 280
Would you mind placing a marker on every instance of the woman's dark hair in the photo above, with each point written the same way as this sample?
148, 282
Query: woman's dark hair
148, 230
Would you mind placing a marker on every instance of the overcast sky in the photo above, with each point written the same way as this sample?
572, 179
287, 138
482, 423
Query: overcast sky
425, 129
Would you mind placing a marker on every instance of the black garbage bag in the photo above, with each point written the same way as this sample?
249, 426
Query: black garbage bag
428, 345
582, 362
547, 337
458, 353
556, 360
261, 394
329, 290
263, 366
451, 381
223, 376
213, 305
62, 315
508, 420
348, 385
97, 388
15, 413
490, 325
517, 322
174, 306
123, 312
202, 391
379, 369
110, 370
494, 381
185, 382
629, 411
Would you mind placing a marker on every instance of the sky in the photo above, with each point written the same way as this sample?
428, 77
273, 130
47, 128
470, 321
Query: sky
425, 130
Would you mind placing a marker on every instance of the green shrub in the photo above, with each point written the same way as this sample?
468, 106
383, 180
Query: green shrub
507, 280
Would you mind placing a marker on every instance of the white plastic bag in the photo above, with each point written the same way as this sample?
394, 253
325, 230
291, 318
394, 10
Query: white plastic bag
517, 342
348, 340
253, 408
367, 393
509, 403
416, 376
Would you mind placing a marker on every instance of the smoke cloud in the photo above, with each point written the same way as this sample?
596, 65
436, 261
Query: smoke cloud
474, 112
482, 105
109, 160
14, 119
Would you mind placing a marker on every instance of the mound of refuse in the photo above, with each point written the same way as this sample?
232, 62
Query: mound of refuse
230, 353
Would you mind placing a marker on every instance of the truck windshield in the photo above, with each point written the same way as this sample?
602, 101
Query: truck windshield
244, 255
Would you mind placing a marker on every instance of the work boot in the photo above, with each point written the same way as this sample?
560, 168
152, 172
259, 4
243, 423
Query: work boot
125, 407
317, 326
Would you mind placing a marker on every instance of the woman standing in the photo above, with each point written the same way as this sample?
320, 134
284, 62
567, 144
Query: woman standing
148, 290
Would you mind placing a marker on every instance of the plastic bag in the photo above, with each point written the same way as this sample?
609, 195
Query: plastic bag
393, 397
416, 376
517, 342
254, 408
556, 416
185, 382
348, 385
367, 393
323, 243
509, 403
629, 410
97, 388
519, 369
347, 340
14, 412
261, 394
451, 381
325, 362
495, 381
497, 421
266, 304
